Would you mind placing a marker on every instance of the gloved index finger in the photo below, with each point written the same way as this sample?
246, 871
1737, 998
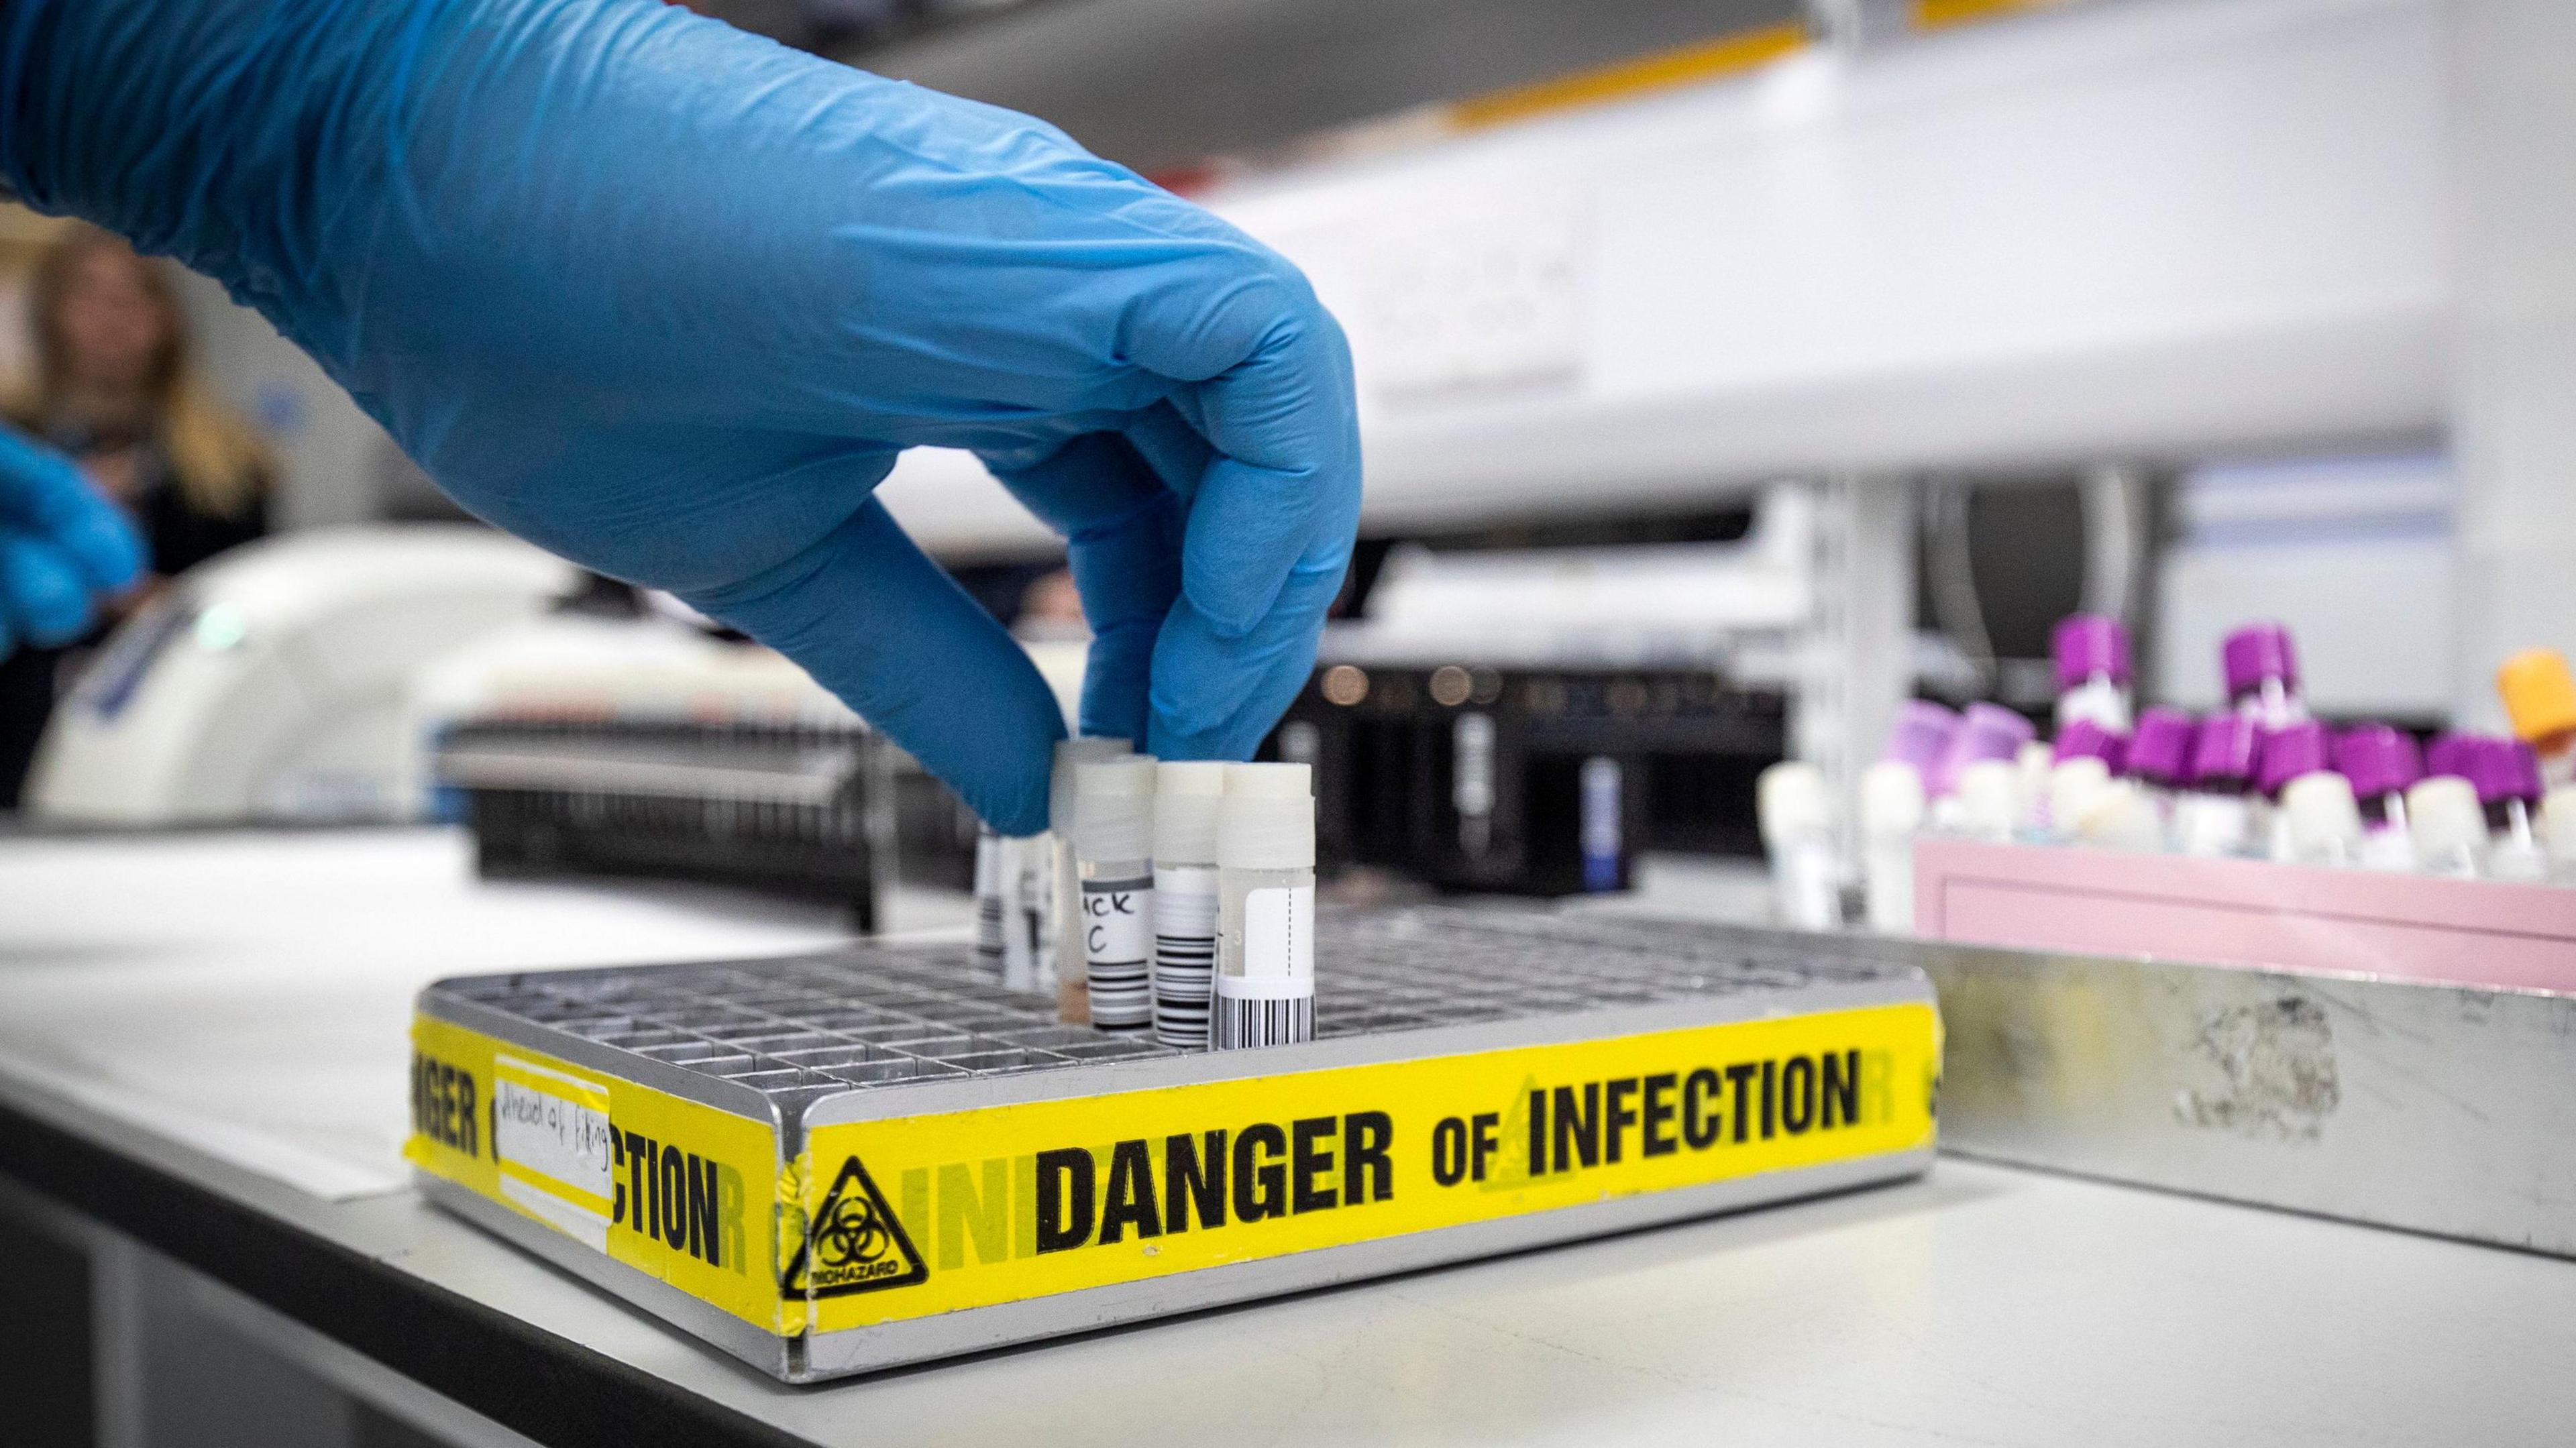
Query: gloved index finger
45, 493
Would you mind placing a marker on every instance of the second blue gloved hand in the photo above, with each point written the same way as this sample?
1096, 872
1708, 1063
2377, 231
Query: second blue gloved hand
668, 299
61, 545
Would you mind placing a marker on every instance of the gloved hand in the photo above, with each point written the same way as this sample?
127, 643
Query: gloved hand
61, 544
667, 299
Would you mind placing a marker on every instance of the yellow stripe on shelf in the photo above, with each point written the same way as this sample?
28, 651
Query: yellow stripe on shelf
1939, 14
1726, 55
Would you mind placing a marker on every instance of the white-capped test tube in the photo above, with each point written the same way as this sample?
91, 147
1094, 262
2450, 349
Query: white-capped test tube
1060, 941
1113, 846
1265, 859
2322, 820
1797, 825
1186, 799
1891, 812
1991, 803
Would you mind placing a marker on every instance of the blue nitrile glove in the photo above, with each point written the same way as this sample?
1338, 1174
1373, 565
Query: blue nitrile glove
667, 299
61, 544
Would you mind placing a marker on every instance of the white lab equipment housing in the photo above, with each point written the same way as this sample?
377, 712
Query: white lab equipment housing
269, 684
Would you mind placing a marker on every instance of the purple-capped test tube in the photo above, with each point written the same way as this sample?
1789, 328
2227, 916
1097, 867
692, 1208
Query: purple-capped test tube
2262, 672
2507, 775
2091, 651
2085, 739
2449, 754
2382, 762
2215, 816
2160, 750
1986, 731
1920, 735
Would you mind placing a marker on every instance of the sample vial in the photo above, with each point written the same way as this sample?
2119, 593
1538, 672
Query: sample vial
2381, 762
1186, 800
1471, 782
2508, 784
2085, 758
2262, 671
1985, 731
1060, 944
1891, 812
2558, 825
1990, 802
1598, 831
1025, 876
2292, 752
2322, 819
2091, 652
2160, 760
2449, 830
2540, 698
988, 899
1798, 834
2216, 817
1265, 872
1113, 846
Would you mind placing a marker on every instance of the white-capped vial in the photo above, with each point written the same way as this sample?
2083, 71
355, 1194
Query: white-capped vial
1990, 803
1060, 947
1186, 800
1265, 857
1798, 833
2449, 828
2122, 815
2322, 820
2072, 784
1891, 811
1113, 846
2558, 829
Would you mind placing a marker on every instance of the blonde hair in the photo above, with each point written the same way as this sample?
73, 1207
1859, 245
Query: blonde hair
220, 465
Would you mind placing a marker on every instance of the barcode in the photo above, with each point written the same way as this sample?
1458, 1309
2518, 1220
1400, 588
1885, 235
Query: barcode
1243, 1022
988, 926
1184, 974
1121, 996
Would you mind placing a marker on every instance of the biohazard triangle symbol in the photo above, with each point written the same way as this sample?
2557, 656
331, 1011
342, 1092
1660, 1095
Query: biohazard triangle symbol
853, 1243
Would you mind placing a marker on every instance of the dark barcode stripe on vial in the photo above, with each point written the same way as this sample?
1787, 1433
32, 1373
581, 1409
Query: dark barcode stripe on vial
1243, 1022
1121, 997
988, 927
1184, 977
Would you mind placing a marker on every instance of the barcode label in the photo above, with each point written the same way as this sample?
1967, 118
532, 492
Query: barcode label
988, 897
1117, 951
1246, 1020
1184, 954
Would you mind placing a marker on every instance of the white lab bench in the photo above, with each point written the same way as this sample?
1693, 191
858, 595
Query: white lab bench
201, 1085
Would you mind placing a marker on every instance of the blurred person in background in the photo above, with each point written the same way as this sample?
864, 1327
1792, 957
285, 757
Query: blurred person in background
115, 389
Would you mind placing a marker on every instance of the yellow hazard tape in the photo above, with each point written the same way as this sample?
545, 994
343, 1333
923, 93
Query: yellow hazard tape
928, 1214
907, 1217
682, 1191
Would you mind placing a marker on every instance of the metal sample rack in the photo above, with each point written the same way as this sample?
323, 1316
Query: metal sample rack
833, 1163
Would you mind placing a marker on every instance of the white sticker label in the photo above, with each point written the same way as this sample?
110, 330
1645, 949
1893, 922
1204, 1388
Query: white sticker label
1117, 921
550, 1134
1185, 902
1279, 932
